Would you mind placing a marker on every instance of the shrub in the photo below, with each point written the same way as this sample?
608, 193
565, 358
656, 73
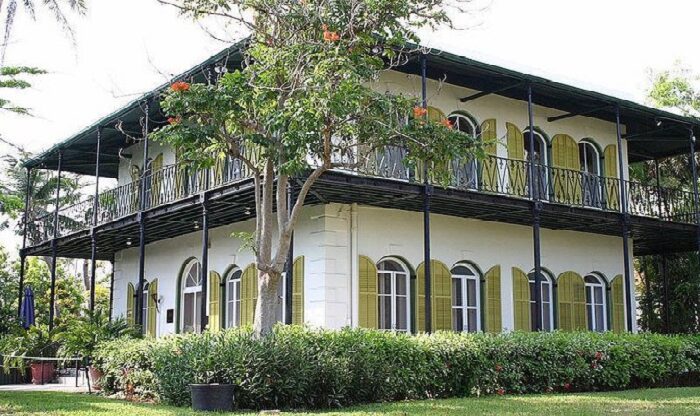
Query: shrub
296, 367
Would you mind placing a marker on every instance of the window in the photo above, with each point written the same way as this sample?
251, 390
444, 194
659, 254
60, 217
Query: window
144, 308
539, 158
192, 297
589, 158
465, 299
547, 312
464, 171
596, 310
394, 287
233, 298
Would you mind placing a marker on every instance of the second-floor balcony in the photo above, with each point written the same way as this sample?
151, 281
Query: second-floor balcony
494, 175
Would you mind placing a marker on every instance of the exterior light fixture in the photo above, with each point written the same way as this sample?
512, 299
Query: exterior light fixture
196, 225
658, 123
128, 241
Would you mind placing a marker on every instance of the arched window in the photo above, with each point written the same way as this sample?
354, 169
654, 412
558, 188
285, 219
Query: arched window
465, 298
464, 172
596, 308
547, 311
539, 158
144, 308
233, 298
394, 288
191, 297
589, 158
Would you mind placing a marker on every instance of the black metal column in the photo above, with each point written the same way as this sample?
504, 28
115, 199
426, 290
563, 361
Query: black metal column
693, 165
205, 262
536, 209
138, 313
93, 231
111, 290
289, 265
54, 242
625, 222
667, 306
427, 193
22, 256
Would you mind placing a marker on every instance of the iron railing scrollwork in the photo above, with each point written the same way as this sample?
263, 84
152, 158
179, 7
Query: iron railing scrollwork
492, 175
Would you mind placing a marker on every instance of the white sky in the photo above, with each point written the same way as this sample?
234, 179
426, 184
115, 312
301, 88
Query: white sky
126, 47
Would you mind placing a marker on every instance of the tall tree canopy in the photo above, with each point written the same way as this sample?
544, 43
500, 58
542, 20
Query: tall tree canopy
304, 103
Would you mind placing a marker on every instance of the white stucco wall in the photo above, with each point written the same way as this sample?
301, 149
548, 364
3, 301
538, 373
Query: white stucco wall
332, 236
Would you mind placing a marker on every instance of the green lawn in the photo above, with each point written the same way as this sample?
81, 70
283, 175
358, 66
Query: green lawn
678, 401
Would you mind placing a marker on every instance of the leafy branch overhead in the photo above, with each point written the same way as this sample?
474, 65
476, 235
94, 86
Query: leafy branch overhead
308, 98
11, 77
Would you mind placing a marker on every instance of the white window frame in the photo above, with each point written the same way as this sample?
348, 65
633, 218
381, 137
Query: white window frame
144, 307
194, 290
465, 308
590, 146
546, 284
393, 296
473, 166
233, 287
590, 290
544, 161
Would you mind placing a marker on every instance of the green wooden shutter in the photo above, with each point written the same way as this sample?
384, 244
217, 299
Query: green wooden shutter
612, 186
214, 301
521, 300
492, 280
130, 304
135, 187
298, 292
433, 115
152, 308
156, 179
368, 314
180, 174
571, 295
441, 288
516, 151
566, 176
489, 166
617, 295
249, 294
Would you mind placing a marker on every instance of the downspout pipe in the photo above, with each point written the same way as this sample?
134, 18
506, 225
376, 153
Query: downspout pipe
93, 231
625, 222
536, 209
138, 313
427, 193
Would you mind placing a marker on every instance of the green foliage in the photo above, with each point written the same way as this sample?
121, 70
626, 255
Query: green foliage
10, 78
674, 89
82, 335
37, 341
295, 367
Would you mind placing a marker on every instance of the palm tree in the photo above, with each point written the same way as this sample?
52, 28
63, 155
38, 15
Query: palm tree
58, 8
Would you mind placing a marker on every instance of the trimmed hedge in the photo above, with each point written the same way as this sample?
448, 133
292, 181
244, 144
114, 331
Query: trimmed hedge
297, 367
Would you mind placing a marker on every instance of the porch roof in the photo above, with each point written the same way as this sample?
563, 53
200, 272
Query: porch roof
645, 138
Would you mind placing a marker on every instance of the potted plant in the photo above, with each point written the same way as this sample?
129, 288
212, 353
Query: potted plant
210, 394
29, 346
81, 337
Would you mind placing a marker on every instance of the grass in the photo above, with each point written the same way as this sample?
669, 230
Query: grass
675, 401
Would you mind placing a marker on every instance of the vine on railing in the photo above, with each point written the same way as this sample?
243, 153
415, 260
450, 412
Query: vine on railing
493, 175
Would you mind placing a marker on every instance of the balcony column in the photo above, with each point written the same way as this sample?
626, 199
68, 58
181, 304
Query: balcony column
693, 165
427, 193
289, 265
54, 241
205, 260
93, 230
22, 256
625, 222
138, 313
111, 290
536, 211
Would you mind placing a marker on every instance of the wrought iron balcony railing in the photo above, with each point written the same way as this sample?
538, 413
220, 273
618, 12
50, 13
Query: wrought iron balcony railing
493, 175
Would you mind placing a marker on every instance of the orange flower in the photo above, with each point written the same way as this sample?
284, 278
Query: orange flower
447, 123
174, 120
330, 36
419, 112
180, 86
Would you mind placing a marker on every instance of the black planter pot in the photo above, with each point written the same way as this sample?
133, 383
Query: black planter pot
212, 397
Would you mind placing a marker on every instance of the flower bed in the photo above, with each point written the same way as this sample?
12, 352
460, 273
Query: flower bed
302, 368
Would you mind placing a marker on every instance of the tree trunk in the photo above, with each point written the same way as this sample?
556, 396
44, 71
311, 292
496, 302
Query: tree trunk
268, 304
86, 276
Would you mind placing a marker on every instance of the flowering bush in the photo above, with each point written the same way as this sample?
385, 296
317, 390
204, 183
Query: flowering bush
296, 367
